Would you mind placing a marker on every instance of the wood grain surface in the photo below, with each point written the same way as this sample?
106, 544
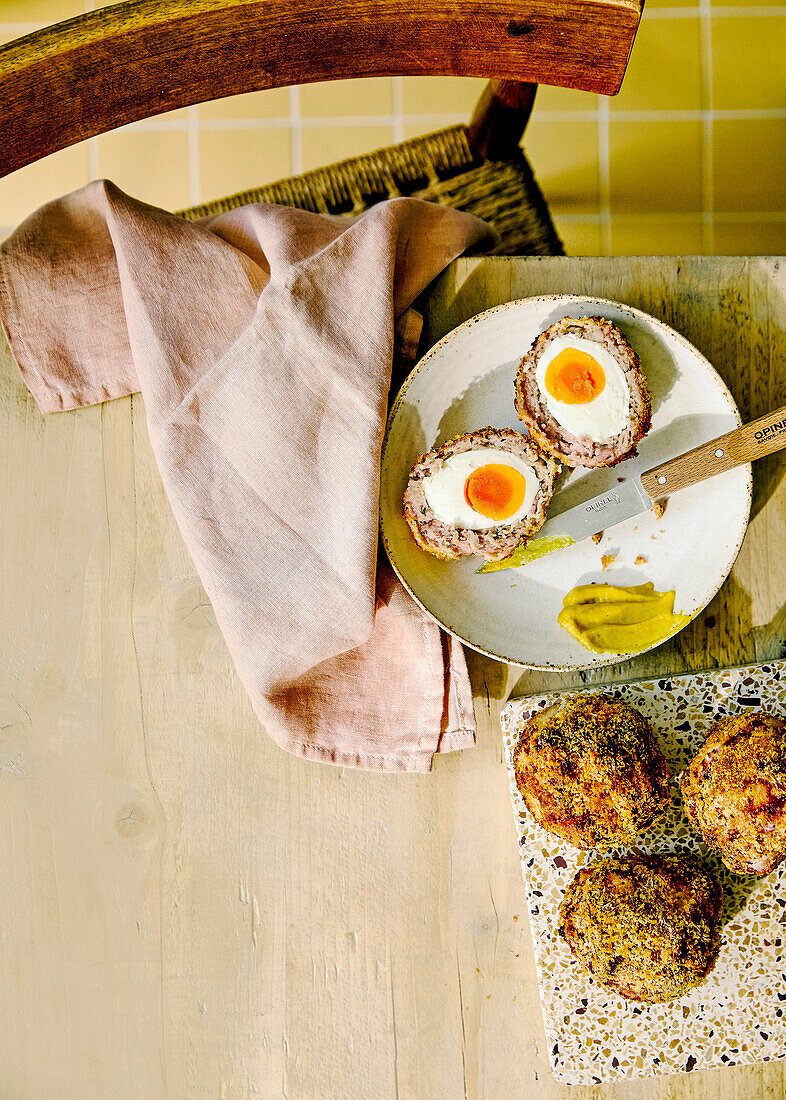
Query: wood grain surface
500, 119
186, 910
132, 60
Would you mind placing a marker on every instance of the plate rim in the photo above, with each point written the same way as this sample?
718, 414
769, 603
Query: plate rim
613, 659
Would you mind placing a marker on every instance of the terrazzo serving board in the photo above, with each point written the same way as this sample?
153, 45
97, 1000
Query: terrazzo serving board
737, 1016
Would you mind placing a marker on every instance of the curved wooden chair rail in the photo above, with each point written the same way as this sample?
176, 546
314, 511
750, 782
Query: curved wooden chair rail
110, 67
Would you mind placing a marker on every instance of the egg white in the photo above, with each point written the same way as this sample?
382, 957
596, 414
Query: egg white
444, 488
604, 417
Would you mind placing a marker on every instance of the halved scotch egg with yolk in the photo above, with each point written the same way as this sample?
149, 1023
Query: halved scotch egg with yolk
582, 394
482, 493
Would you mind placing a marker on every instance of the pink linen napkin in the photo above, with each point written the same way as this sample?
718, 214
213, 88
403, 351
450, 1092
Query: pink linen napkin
262, 341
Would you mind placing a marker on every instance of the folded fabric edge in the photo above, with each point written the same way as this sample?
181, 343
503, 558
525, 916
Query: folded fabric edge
52, 401
465, 737
47, 399
417, 762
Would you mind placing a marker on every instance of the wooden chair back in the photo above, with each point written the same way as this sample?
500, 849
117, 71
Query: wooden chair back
116, 65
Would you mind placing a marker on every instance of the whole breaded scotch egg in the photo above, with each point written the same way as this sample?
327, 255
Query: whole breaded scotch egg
646, 927
481, 493
590, 770
582, 394
734, 791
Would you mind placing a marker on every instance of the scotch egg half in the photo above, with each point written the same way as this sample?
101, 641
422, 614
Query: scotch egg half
582, 394
481, 493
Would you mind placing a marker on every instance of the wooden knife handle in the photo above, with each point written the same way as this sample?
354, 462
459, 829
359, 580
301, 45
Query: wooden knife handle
760, 437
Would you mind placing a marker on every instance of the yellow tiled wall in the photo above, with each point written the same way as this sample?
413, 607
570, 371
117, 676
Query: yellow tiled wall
689, 157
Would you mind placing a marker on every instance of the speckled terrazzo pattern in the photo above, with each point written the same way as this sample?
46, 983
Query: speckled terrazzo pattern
737, 1016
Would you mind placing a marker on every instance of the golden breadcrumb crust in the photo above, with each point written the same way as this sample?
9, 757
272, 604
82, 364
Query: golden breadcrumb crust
735, 791
645, 926
591, 771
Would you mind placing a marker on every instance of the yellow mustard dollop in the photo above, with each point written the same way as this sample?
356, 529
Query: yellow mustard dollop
610, 619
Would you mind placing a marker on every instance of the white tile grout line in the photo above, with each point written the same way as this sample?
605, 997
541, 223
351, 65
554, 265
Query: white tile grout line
327, 121
604, 175
764, 216
741, 12
398, 109
711, 114
719, 11
452, 119
295, 136
707, 166
194, 187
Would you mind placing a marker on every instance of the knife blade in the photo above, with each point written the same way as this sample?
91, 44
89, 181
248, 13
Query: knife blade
574, 524
638, 494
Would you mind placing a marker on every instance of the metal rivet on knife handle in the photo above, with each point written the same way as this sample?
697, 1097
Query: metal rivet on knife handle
760, 437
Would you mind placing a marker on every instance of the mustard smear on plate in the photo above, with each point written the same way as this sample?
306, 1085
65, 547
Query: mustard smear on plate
605, 618
530, 551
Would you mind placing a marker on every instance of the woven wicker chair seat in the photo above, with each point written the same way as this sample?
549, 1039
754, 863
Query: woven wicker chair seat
440, 168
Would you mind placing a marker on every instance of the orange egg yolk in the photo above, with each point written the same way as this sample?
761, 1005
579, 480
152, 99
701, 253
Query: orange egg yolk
496, 491
574, 377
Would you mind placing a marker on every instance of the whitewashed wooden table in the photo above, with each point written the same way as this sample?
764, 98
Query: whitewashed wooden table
187, 911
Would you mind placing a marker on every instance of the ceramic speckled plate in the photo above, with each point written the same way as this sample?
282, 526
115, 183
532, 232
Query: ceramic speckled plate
738, 1015
465, 382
